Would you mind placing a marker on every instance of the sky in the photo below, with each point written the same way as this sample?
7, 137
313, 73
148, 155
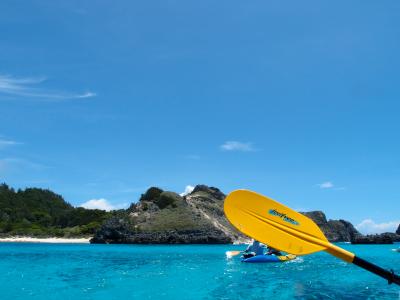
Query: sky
297, 100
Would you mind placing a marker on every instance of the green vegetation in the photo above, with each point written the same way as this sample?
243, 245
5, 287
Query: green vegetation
168, 211
160, 198
151, 194
169, 199
39, 212
178, 218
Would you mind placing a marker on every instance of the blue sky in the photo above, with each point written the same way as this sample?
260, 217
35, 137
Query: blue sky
295, 100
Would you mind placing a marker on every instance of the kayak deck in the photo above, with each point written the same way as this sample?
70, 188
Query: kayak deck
269, 258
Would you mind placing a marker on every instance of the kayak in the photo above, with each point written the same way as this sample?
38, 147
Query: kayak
268, 258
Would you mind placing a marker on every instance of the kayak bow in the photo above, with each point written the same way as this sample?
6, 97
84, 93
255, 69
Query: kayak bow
269, 258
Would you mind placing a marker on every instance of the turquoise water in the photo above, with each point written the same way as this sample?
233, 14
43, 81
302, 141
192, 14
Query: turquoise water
67, 271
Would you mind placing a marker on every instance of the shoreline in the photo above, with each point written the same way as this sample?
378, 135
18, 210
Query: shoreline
52, 240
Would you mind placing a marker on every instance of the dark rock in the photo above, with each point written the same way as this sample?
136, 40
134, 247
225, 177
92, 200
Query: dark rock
212, 191
172, 237
334, 230
114, 230
119, 231
395, 237
317, 216
341, 231
384, 238
398, 230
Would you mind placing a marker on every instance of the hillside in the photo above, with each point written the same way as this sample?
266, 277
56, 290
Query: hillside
39, 212
166, 217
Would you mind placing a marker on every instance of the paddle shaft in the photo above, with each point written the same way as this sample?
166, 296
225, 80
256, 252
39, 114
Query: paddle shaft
351, 258
390, 276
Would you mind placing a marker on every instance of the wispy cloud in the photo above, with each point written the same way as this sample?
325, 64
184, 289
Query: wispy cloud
326, 185
237, 146
28, 88
329, 185
6, 143
188, 190
102, 204
369, 226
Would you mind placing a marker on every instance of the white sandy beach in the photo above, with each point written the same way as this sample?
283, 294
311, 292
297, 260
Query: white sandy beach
53, 240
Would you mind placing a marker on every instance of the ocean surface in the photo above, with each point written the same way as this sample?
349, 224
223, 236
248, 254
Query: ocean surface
83, 271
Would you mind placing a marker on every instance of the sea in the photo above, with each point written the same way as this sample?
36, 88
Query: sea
85, 271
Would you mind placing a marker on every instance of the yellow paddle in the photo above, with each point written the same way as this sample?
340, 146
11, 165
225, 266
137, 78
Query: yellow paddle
282, 228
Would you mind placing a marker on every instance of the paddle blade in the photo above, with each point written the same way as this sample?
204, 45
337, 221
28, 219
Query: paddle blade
273, 223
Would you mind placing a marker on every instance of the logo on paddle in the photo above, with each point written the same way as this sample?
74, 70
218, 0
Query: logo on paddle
283, 216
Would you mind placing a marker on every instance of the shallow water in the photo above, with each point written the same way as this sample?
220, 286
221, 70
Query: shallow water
63, 271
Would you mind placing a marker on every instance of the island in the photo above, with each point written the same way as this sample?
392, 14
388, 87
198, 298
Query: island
158, 217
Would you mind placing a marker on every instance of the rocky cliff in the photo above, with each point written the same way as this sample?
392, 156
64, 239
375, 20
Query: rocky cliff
334, 230
398, 230
163, 217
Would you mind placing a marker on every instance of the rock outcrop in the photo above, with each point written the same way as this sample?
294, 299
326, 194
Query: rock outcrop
334, 230
163, 217
398, 230
383, 238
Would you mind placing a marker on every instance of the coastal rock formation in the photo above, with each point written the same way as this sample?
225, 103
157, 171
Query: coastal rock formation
164, 217
334, 230
398, 230
383, 238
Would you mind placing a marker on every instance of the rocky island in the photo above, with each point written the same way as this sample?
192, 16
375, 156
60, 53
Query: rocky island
164, 217
158, 217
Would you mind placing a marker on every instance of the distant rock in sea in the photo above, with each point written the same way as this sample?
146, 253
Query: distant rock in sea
398, 230
383, 238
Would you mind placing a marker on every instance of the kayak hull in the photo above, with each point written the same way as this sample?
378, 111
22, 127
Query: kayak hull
268, 258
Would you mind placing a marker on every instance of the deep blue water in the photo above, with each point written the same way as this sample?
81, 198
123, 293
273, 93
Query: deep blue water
68, 271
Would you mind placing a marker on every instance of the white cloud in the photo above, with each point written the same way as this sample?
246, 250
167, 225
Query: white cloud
368, 226
5, 143
237, 146
188, 190
326, 185
102, 204
27, 88
86, 95
330, 185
